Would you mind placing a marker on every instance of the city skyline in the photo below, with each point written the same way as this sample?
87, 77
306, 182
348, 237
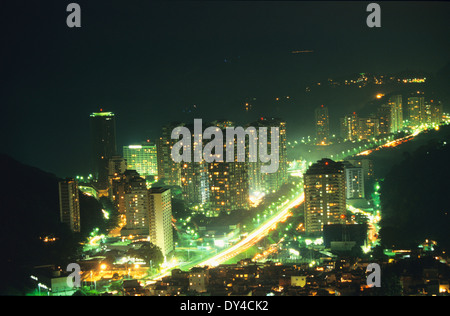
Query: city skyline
214, 148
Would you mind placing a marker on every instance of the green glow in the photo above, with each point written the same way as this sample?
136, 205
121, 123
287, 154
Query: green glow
105, 214
100, 114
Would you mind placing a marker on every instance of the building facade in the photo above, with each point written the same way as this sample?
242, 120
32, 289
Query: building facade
228, 180
168, 170
137, 209
368, 128
161, 230
384, 115
69, 204
325, 198
260, 182
354, 182
416, 109
350, 127
396, 104
103, 144
194, 175
142, 158
322, 122
228, 187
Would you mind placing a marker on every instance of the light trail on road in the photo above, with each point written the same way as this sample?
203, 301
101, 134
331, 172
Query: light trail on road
254, 236
281, 216
262, 231
250, 239
393, 143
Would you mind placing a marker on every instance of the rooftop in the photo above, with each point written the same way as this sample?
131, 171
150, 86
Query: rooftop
101, 113
326, 166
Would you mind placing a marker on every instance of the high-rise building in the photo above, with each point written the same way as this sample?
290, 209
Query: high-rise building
437, 112
103, 140
121, 185
228, 182
116, 166
349, 127
367, 167
354, 181
395, 103
168, 170
368, 128
194, 175
69, 204
161, 231
384, 116
194, 182
268, 182
325, 195
416, 109
142, 158
137, 209
322, 125
433, 110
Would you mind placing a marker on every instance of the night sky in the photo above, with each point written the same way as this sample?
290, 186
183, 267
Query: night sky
150, 62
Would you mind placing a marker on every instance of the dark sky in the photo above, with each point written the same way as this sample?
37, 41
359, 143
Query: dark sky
148, 61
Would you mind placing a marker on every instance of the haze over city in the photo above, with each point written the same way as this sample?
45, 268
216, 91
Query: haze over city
151, 62
97, 180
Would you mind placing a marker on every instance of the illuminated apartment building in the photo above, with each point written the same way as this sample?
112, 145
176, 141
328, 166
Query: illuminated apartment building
416, 109
228, 182
395, 103
325, 195
121, 185
168, 170
161, 230
384, 116
142, 158
437, 112
194, 175
69, 204
268, 182
349, 127
368, 128
136, 202
322, 123
366, 164
433, 110
354, 181
194, 182
228, 185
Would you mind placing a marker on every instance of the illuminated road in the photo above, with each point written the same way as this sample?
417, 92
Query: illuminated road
254, 236
251, 239
270, 224
392, 143
281, 216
